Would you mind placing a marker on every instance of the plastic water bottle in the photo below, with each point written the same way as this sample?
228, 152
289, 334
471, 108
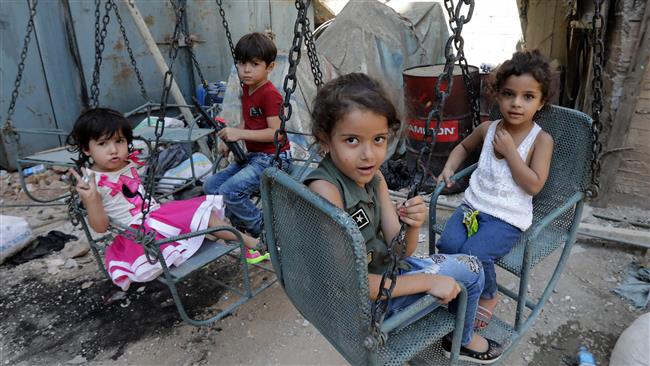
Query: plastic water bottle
585, 358
40, 168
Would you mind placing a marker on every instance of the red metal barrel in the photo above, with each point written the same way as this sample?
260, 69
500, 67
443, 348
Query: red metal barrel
420, 98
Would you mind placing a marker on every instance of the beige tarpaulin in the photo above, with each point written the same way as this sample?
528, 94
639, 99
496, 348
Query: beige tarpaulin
369, 37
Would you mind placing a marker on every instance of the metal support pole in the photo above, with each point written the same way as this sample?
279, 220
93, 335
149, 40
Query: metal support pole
162, 66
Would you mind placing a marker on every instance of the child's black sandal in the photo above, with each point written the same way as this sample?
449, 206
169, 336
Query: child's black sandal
491, 355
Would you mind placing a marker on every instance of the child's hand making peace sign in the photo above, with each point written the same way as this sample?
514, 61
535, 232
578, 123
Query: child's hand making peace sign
86, 186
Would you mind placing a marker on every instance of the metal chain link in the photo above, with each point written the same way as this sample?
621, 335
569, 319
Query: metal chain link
8, 129
179, 10
100, 37
127, 44
290, 82
74, 211
459, 21
23, 57
311, 51
380, 306
222, 12
197, 66
597, 103
148, 239
445, 78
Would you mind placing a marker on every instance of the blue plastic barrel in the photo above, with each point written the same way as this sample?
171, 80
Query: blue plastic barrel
216, 90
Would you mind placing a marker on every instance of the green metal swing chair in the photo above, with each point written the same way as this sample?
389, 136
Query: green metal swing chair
153, 137
320, 259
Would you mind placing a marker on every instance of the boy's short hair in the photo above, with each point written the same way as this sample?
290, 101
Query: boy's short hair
255, 46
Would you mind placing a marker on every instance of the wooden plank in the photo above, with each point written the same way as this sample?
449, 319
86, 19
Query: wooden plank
627, 106
634, 237
546, 29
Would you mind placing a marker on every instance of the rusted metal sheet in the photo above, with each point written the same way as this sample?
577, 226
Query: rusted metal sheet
49, 95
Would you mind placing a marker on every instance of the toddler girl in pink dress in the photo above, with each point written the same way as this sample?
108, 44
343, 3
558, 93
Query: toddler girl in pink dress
113, 191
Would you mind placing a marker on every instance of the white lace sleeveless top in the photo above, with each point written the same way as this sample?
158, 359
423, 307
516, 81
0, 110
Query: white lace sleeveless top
493, 190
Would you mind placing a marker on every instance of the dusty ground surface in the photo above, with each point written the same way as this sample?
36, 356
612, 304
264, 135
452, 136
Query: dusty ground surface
58, 309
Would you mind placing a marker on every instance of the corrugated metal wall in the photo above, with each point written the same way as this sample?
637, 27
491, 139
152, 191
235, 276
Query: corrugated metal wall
58, 71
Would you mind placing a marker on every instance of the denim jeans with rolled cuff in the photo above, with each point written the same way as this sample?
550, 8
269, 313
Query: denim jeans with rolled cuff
464, 269
237, 183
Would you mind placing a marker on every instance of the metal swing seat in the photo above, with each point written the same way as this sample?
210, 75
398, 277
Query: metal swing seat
209, 252
320, 259
557, 210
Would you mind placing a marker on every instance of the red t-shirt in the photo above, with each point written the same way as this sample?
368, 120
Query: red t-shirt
265, 102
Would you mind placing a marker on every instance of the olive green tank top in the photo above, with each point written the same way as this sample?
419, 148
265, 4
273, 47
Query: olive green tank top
362, 204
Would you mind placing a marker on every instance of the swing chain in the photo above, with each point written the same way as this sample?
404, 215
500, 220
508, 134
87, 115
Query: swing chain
311, 51
8, 129
100, 37
178, 11
127, 44
23, 57
597, 103
148, 238
74, 209
459, 42
290, 83
456, 22
197, 66
380, 306
222, 12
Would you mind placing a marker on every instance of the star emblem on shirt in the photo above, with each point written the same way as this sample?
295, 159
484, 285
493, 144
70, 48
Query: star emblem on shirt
360, 218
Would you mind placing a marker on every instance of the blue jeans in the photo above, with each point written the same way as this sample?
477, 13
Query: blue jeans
463, 268
237, 183
494, 239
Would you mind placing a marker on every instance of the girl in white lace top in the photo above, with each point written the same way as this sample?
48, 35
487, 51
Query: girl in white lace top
513, 167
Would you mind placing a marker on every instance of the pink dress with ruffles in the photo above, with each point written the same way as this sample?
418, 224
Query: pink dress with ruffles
125, 259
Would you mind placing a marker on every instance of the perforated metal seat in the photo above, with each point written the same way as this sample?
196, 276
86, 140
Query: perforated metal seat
556, 209
319, 257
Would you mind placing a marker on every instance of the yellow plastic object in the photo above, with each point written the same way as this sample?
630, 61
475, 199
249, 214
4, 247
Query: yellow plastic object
471, 223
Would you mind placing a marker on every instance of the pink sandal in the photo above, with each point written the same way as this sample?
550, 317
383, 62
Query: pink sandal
483, 317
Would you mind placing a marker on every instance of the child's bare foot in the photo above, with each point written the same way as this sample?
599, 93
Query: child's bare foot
249, 241
484, 312
477, 344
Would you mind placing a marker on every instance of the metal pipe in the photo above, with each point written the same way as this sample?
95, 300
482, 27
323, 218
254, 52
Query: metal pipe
162, 67
157, 56
402, 317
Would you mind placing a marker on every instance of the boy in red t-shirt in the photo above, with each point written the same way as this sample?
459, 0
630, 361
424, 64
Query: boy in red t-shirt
261, 104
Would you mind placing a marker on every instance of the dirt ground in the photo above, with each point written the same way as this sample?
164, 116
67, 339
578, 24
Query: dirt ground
59, 309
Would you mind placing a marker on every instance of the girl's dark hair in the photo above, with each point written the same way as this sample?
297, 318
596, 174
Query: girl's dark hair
93, 124
345, 94
255, 45
526, 62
